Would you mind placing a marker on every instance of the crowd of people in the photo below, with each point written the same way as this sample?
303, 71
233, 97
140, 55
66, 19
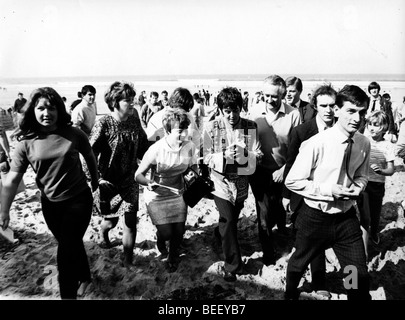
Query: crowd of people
317, 167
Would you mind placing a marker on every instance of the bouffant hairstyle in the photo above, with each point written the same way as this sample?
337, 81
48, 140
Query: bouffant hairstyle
29, 126
177, 118
118, 91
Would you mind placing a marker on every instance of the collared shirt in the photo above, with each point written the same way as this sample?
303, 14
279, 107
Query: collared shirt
274, 130
321, 124
377, 105
318, 165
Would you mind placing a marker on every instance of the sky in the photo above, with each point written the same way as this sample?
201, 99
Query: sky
56, 38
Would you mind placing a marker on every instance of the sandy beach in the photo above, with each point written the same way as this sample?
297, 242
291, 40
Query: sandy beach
28, 267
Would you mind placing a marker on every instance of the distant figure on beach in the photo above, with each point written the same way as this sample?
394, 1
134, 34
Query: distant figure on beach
377, 102
198, 111
293, 98
164, 100
245, 104
84, 114
207, 98
150, 108
142, 99
168, 159
48, 142
19, 103
118, 142
76, 102
231, 151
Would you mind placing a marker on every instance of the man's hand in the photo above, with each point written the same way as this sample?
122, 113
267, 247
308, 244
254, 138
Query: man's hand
278, 175
343, 193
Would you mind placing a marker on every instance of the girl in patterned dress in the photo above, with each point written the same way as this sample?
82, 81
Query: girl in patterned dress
118, 141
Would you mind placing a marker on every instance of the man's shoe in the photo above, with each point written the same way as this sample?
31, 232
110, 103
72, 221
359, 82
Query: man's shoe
229, 276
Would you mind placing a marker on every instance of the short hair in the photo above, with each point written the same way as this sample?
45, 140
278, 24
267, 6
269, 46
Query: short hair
276, 80
324, 89
245, 92
230, 98
294, 81
117, 91
386, 96
181, 98
175, 118
373, 85
164, 92
196, 96
353, 94
29, 126
88, 88
379, 117
154, 94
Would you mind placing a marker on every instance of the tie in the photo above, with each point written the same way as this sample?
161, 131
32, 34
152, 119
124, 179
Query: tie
346, 160
373, 107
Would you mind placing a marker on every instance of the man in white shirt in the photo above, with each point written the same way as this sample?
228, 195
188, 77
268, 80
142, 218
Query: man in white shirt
330, 180
84, 114
275, 120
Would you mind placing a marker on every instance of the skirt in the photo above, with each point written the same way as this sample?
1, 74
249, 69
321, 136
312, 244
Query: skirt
166, 210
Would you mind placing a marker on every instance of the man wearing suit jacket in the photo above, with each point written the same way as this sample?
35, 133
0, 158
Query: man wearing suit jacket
324, 98
293, 98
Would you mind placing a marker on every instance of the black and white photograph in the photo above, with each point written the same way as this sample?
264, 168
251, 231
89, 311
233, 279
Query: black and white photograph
202, 150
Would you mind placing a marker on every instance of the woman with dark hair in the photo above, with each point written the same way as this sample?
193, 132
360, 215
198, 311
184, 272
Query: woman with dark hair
118, 141
168, 159
48, 142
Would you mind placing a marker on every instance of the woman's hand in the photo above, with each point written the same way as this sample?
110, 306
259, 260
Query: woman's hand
4, 219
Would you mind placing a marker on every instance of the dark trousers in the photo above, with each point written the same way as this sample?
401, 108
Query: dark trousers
269, 208
375, 192
318, 264
68, 221
318, 231
228, 229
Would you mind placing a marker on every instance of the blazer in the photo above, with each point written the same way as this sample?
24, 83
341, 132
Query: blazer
307, 112
298, 135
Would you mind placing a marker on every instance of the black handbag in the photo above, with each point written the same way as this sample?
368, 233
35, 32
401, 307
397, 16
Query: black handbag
196, 187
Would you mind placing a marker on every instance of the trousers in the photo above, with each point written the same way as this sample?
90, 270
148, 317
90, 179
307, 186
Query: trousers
318, 231
68, 221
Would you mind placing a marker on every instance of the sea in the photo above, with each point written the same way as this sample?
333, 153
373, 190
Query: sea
394, 84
